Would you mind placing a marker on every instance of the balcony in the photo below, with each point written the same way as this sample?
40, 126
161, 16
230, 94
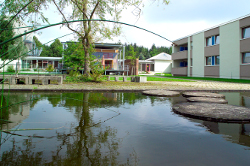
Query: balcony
179, 71
180, 55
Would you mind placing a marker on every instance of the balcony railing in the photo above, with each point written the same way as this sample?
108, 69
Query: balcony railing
180, 55
179, 71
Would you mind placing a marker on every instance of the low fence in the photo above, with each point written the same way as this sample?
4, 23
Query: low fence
125, 78
44, 80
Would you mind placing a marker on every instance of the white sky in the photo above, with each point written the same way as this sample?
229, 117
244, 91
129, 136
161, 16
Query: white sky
178, 19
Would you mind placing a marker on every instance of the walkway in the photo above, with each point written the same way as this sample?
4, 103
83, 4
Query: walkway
127, 86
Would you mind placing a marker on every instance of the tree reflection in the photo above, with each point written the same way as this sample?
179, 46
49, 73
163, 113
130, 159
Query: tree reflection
19, 156
88, 143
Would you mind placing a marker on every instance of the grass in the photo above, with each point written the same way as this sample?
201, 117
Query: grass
206, 78
112, 78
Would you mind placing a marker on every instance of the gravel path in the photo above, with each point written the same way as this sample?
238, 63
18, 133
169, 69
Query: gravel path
128, 86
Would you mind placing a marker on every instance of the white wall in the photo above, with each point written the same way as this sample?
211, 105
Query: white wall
189, 61
198, 55
162, 66
230, 50
13, 63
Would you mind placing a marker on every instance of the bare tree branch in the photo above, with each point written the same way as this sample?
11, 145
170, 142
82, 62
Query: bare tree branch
65, 19
79, 8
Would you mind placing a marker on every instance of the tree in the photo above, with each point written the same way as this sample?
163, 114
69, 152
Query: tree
87, 31
74, 55
6, 34
38, 43
56, 48
46, 51
153, 51
11, 50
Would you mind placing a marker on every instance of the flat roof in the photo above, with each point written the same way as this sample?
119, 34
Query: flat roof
42, 58
214, 26
104, 45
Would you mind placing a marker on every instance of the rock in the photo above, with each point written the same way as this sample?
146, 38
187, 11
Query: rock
207, 100
213, 112
162, 93
202, 94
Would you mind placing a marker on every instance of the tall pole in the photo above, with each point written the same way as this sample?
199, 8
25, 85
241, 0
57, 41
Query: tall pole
123, 57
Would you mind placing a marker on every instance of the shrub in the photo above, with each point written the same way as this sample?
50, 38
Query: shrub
10, 69
50, 68
73, 73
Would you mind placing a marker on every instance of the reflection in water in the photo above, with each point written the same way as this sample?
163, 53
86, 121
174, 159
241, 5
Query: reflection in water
116, 129
237, 133
87, 143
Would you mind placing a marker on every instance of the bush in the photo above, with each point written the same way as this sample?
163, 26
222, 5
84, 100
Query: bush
73, 73
50, 68
77, 79
10, 69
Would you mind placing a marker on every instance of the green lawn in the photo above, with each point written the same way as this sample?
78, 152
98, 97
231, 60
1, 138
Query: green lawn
206, 78
154, 79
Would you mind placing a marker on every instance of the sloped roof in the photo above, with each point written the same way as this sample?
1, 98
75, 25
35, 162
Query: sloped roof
161, 56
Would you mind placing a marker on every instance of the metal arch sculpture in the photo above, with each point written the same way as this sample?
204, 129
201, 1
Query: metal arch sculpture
44, 27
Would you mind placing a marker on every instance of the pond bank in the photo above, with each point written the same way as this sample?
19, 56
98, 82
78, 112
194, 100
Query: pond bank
132, 86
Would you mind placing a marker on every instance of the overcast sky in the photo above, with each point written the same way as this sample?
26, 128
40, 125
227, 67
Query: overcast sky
178, 19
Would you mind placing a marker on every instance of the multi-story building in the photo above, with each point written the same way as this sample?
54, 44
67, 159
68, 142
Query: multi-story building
222, 51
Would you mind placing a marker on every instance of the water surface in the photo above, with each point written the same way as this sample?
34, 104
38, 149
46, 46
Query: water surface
116, 129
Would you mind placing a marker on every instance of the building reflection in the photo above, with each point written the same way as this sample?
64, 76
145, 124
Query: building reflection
233, 132
18, 110
236, 133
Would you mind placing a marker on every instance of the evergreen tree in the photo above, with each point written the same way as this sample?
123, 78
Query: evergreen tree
56, 48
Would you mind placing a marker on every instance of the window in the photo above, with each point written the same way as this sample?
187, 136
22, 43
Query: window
212, 60
183, 64
208, 60
217, 39
213, 40
246, 32
183, 48
246, 57
217, 60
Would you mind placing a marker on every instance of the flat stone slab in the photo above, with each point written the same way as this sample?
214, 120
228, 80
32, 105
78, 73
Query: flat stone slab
214, 112
161, 93
202, 94
207, 100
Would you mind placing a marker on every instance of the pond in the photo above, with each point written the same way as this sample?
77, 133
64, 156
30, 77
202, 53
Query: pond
116, 129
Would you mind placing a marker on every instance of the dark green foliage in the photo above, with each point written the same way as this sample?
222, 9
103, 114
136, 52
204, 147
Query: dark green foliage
143, 53
6, 34
74, 55
38, 43
46, 51
56, 48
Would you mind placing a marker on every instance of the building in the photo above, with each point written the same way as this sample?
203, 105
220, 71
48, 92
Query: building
222, 51
33, 51
110, 55
161, 63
